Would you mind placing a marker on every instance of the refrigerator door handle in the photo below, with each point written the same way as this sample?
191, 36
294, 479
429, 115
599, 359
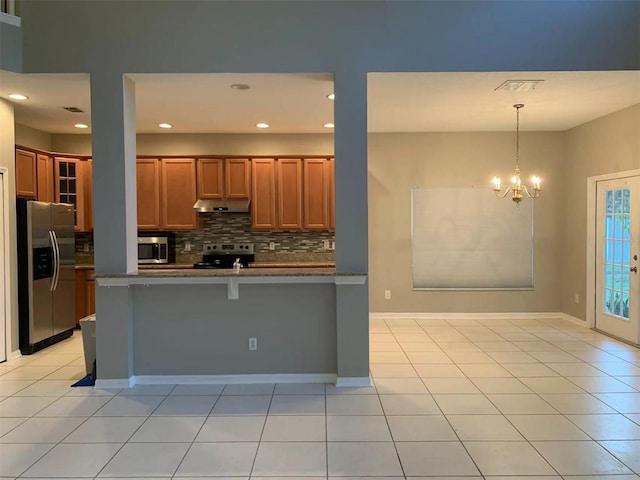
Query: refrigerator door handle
56, 254
53, 273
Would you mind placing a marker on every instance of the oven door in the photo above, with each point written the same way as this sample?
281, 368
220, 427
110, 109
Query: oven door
152, 250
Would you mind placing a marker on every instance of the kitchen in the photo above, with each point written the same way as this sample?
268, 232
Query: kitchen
286, 198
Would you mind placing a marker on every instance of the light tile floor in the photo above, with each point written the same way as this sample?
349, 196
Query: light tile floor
454, 399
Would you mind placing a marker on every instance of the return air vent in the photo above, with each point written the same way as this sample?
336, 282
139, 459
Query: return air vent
518, 86
73, 109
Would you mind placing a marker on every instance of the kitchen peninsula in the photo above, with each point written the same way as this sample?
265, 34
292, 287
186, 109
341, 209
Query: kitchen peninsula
204, 338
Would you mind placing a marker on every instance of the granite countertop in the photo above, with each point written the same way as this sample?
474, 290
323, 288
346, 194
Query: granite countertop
222, 272
261, 265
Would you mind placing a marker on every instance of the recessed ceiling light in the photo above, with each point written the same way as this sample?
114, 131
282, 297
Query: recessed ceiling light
17, 96
81, 125
331, 96
165, 125
329, 125
240, 86
262, 125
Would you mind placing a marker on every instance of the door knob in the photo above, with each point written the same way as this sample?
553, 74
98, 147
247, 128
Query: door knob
634, 269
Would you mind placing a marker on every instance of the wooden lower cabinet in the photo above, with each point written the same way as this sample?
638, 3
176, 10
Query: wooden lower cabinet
85, 293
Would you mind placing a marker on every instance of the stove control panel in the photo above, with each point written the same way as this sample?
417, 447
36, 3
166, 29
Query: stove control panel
227, 248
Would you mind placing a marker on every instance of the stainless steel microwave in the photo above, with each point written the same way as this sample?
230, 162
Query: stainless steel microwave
153, 250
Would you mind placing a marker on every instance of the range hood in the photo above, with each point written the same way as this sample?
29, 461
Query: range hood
227, 205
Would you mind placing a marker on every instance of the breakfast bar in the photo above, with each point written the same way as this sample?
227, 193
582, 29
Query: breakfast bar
219, 326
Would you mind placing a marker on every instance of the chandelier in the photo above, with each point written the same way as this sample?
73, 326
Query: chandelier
517, 188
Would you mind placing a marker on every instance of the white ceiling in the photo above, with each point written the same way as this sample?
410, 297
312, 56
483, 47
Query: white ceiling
297, 103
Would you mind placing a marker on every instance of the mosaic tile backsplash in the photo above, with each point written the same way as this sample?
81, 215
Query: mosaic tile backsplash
235, 228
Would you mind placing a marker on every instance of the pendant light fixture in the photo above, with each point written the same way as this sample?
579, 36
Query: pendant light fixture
517, 188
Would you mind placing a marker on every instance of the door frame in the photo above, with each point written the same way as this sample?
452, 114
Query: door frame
592, 213
8, 320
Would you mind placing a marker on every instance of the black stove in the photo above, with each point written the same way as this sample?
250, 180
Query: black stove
223, 255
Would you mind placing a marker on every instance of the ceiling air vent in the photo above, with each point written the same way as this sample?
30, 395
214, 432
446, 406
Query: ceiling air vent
73, 109
518, 85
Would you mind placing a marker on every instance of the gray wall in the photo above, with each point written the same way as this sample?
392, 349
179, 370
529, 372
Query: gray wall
279, 36
30, 137
398, 162
206, 334
7, 160
10, 47
606, 145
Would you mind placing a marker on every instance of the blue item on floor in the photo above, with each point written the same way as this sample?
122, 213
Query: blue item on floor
87, 381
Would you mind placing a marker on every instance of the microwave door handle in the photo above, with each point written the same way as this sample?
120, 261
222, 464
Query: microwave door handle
53, 259
156, 252
57, 262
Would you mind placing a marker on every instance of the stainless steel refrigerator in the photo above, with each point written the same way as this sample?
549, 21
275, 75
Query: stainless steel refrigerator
46, 273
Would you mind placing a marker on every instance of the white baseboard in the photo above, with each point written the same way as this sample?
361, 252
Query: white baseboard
353, 382
467, 315
113, 383
235, 379
13, 355
576, 320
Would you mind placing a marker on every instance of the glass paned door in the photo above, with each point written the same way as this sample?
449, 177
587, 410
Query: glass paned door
617, 235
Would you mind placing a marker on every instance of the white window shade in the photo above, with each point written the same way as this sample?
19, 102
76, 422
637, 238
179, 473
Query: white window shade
466, 238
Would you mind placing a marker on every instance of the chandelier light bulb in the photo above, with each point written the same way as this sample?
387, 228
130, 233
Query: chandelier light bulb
496, 184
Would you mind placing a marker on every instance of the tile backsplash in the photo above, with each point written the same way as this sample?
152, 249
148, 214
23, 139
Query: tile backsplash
235, 228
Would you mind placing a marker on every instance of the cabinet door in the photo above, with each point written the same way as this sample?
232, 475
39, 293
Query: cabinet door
44, 171
237, 177
148, 187
69, 186
81, 300
26, 183
263, 195
210, 177
87, 194
289, 193
90, 292
316, 194
332, 193
178, 194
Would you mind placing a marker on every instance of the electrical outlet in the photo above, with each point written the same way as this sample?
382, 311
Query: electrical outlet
272, 245
387, 294
86, 248
187, 246
576, 297
333, 245
253, 343
326, 244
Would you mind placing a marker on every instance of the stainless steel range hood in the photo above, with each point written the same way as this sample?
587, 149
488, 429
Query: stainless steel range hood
231, 205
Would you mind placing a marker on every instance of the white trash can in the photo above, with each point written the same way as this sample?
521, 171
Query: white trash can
88, 327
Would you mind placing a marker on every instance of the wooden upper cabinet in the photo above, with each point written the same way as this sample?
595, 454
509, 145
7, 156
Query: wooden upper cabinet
26, 179
332, 193
178, 193
69, 186
210, 177
148, 188
263, 194
316, 194
44, 169
237, 174
289, 174
87, 194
